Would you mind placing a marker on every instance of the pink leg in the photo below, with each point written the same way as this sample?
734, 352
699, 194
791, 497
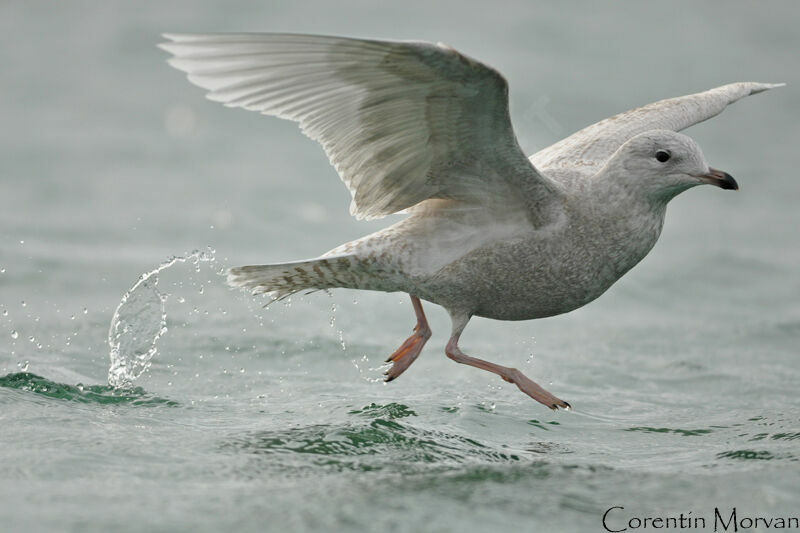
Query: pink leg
512, 375
408, 352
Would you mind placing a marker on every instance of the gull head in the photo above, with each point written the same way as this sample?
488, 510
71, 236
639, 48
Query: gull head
661, 164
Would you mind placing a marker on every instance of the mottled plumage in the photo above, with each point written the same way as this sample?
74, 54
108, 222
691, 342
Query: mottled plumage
421, 128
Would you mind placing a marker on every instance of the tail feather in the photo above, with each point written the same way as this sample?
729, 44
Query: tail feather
280, 280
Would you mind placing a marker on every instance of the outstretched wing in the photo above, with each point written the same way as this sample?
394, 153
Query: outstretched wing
402, 122
587, 150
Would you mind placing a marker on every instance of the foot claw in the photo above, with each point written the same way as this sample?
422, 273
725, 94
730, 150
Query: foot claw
405, 355
562, 404
534, 390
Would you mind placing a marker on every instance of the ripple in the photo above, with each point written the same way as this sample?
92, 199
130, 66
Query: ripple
391, 411
786, 436
692, 366
747, 455
374, 441
98, 394
682, 432
542, 425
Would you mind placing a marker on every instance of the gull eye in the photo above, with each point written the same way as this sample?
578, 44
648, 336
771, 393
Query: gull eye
662, 156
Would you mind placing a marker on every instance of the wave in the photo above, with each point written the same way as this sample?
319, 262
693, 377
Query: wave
96, 394
376, 437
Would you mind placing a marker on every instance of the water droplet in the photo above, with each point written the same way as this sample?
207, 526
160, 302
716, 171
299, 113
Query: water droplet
32, 338
241, 370
23, 304
72, 317
202, 289
85, 311
22, 242
181, 300
2, 270
23, 367
5, 312
14, 334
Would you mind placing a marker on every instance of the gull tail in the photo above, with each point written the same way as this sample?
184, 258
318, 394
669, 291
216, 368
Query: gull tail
280, 280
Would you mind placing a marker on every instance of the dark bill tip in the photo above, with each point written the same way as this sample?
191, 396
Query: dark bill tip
727, 182
721, 179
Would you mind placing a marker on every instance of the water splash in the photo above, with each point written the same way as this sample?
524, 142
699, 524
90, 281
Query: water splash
140, 320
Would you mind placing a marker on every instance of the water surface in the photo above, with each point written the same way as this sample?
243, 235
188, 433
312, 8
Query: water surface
683, 376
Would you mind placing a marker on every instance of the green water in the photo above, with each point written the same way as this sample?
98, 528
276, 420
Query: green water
684, 376
92, 394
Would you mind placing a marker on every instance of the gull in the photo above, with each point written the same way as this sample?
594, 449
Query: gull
419, 128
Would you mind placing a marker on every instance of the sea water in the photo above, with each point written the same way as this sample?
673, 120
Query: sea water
239, 417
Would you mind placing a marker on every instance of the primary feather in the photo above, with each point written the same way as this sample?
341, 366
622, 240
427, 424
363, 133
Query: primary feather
402, 122
587, 150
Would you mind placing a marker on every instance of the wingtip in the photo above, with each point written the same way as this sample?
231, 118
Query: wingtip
736, 91
178, 37
761, 87
171, 41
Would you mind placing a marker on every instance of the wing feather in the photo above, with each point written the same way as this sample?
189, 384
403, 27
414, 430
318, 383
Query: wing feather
587, 150
402, 122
